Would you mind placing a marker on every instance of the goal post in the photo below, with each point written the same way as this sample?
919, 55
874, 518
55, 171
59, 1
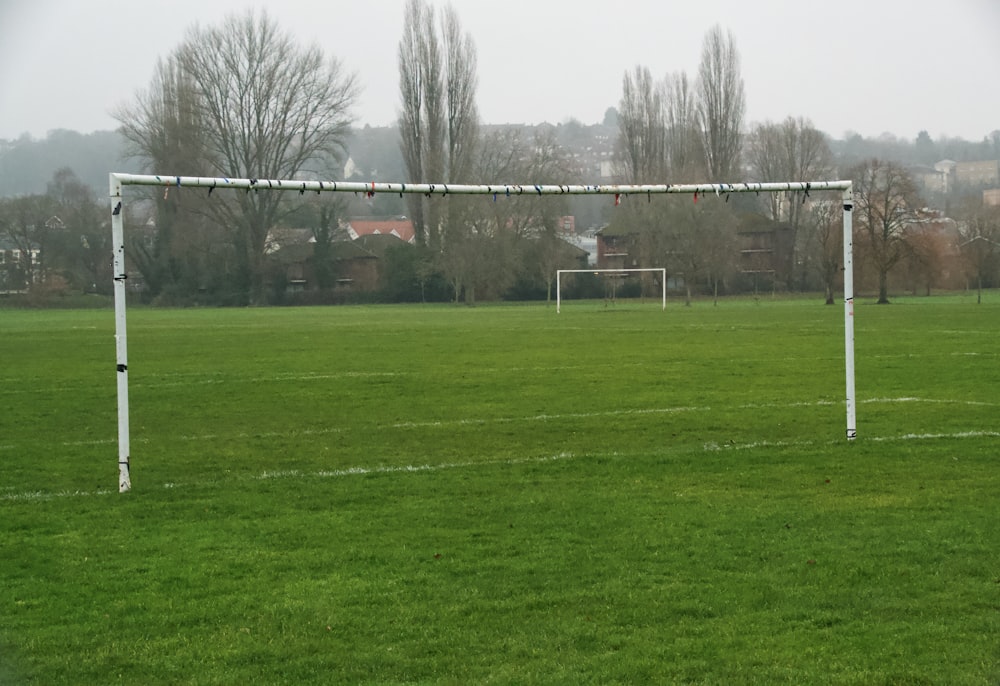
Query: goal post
662, 271
117, 181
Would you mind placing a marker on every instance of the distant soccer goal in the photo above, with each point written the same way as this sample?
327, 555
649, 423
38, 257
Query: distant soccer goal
624, 272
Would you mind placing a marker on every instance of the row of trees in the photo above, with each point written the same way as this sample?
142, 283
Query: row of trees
56, 242
241, 99
244, 99
683, 128
475, 250
677, 128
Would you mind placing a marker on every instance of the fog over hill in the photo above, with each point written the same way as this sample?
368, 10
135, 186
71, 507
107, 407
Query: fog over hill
27, 164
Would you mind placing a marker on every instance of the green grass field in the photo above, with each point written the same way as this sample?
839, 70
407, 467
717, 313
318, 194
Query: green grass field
446, 495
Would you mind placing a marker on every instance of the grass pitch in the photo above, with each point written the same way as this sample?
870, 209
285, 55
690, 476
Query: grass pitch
444, 495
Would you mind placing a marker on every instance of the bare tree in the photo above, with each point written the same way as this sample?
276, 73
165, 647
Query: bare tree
765, 156
658, 128
683, 144
23, 224
160, 125
671, 128
549, 164
702, 239
642, 126
461, 82
507, 155
886, 204
262, 107
793, 150
980, 246
419, 79
87, 244
466, 255
644, 150
483, 245
162, 132
439, 120
827, 239
721, 104
925, 263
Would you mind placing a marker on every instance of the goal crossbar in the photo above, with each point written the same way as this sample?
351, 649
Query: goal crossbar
661, 270
119, 180
442, 189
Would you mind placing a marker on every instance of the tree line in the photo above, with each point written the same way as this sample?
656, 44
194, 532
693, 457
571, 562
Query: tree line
244, 99
55, 243
681, 128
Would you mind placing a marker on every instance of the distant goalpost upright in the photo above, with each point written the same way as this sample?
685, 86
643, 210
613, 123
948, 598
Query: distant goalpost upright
661, 270
118, 181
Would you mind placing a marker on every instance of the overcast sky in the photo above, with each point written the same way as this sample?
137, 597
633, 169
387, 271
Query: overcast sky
869, 66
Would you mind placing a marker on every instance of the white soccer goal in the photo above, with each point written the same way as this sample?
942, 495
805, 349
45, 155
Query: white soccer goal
662, 271
118, 181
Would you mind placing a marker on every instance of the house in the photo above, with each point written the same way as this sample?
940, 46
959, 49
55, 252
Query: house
586, 243
378, 244
933, 258
355, 269
978, 174
400, 227
294, 266
572, 253
991, 197
282, 237
347, 266
617, 247
765, 246
931, 179
20, 266
762, 246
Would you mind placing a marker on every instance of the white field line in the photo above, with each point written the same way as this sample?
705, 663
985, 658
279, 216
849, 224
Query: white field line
867, 401
12, 387
925, 437
35, 496
767, 406
177, 380
717, 447
266, 434
209, 437
968, 403
712, 446
214, 378
400, 425
483, 421
544, 417
298, 474
153, 383
412, 469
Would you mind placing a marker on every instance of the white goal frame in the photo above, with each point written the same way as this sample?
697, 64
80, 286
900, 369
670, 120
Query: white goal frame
560, 272
117, 181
